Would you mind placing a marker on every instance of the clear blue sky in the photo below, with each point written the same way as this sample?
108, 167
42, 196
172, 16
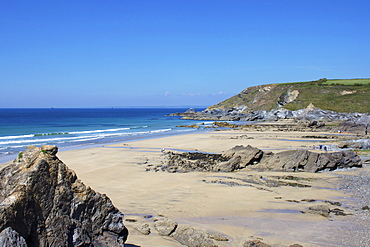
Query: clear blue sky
173, 52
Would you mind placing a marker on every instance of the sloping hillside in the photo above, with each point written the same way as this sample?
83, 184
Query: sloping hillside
336, 95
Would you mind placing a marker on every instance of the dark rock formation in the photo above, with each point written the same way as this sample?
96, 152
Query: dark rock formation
191, 161
44, 202
239, 157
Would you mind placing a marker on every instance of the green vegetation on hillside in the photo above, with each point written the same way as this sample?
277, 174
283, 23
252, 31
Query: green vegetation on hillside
349, 82
335, 95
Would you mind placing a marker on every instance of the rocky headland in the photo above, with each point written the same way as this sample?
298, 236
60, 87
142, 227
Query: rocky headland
328, 102
43, 203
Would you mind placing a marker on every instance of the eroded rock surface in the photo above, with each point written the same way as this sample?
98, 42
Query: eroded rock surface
43, 201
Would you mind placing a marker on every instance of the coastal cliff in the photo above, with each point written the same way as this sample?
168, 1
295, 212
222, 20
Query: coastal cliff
44, 204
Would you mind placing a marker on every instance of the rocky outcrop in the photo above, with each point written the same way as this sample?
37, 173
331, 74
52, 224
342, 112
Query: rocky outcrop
304, 160
236, 158
44, 203
359, 126
240, 157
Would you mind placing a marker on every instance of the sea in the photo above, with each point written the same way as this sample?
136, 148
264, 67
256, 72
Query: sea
76, 128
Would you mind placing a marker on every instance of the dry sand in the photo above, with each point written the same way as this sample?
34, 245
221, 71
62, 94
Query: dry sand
199, 199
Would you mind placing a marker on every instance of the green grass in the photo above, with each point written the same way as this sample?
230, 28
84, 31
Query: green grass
348, 81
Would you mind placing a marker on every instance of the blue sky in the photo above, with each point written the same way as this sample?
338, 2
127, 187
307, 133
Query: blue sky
172, 52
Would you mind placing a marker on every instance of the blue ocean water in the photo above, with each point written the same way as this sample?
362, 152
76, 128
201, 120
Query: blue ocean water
69, 128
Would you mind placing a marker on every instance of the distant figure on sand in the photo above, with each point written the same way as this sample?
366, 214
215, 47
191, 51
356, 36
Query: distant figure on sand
162, 150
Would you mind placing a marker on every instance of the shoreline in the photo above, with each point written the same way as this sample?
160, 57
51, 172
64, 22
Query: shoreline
10, 157
210, 200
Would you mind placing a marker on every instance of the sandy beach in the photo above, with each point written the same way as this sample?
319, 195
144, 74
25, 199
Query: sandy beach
217, 202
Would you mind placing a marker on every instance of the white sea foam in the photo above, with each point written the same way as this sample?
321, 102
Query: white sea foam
101, 135
97, 131
159, 131
15, 137
43, 140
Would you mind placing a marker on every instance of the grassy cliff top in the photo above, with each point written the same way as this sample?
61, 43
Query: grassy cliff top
347, 95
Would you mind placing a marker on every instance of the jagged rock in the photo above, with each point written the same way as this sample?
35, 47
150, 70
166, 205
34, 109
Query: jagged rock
45, 203
304, 160
189, 236
143, 228
255, 243
165, 227
11, 238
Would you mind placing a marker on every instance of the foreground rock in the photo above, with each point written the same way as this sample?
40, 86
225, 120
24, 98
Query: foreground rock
43, 203
240, 157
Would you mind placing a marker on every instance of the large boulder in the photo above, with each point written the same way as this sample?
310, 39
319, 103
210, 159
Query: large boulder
238, 157
165, 226
43, 201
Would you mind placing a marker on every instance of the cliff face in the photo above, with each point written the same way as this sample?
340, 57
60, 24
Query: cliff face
338, 96
44, 204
